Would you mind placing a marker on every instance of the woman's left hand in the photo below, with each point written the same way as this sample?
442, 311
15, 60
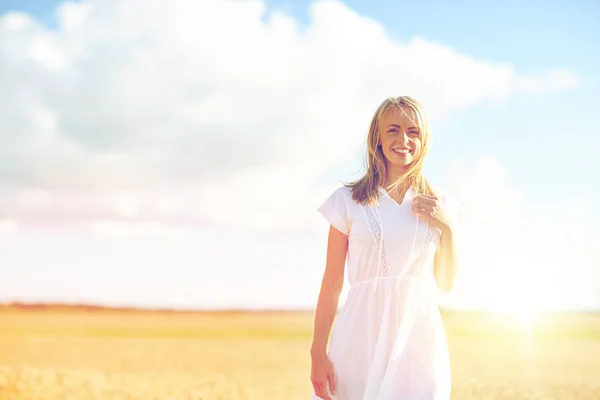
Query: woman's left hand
430, 208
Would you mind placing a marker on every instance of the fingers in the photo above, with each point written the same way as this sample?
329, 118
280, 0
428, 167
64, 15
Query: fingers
426, 199
332, 384
323, 379
422, 208
424, 204
320, 390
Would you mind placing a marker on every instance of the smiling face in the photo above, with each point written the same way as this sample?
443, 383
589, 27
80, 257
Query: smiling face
400, 137
397, 145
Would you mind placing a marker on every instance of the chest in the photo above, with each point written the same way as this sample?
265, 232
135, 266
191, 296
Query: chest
395, 223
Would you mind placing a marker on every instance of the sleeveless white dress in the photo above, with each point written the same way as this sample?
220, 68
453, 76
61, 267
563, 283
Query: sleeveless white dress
388, 341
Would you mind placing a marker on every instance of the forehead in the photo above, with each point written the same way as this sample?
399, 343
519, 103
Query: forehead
403, 116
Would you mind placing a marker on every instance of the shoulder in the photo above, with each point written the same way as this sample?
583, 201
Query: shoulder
345, 191
336, 196
336, 209
341, 192
341, 197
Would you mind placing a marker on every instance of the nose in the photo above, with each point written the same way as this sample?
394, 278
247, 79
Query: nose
404, 137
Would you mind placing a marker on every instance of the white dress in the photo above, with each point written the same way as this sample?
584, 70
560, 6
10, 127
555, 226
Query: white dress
388, 341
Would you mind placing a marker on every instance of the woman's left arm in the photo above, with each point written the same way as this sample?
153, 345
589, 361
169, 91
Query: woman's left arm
445, 263
445, 260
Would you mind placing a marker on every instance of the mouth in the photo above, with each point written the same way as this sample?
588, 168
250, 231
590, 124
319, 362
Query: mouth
402, 151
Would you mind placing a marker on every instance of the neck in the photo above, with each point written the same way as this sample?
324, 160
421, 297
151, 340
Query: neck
393, 173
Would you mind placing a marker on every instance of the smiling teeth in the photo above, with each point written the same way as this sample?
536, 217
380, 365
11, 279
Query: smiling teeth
402, 151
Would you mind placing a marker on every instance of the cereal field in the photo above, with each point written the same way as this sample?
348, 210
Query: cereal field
103, 354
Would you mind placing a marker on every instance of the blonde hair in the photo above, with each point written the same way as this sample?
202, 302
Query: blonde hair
366, 189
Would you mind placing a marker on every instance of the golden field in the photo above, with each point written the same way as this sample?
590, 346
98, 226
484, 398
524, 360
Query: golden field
113, 354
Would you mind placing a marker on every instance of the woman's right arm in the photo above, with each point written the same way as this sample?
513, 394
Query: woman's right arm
331, 287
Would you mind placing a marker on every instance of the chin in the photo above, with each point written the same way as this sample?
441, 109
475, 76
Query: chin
401, 163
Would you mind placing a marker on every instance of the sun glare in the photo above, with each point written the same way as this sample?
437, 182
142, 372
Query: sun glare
520, 310
519, 296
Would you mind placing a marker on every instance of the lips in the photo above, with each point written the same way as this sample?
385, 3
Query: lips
402, 150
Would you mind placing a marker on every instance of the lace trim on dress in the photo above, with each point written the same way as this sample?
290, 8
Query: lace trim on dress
377, 232
429, 237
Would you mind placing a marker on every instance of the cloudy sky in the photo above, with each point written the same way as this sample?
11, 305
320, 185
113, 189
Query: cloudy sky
173, 153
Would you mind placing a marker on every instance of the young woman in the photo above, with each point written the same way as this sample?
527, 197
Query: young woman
395, 234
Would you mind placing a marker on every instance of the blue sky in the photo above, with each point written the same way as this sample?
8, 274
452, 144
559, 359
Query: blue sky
526, 157
531, 36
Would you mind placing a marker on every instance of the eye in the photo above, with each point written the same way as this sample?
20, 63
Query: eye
393, 131
414, 132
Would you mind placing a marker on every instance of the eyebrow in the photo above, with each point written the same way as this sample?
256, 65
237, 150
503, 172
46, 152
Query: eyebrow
398, 126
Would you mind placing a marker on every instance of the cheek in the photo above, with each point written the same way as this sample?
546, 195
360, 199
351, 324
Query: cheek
386, 153
383, 140
384, 145
418, 145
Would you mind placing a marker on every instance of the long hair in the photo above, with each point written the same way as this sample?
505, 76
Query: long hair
366, 189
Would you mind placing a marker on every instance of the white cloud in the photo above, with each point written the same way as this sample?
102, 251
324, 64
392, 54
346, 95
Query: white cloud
8, 226
553, 80
484, 190
122, 229
202, 111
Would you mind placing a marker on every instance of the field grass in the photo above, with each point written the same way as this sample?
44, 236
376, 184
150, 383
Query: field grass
104, 354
